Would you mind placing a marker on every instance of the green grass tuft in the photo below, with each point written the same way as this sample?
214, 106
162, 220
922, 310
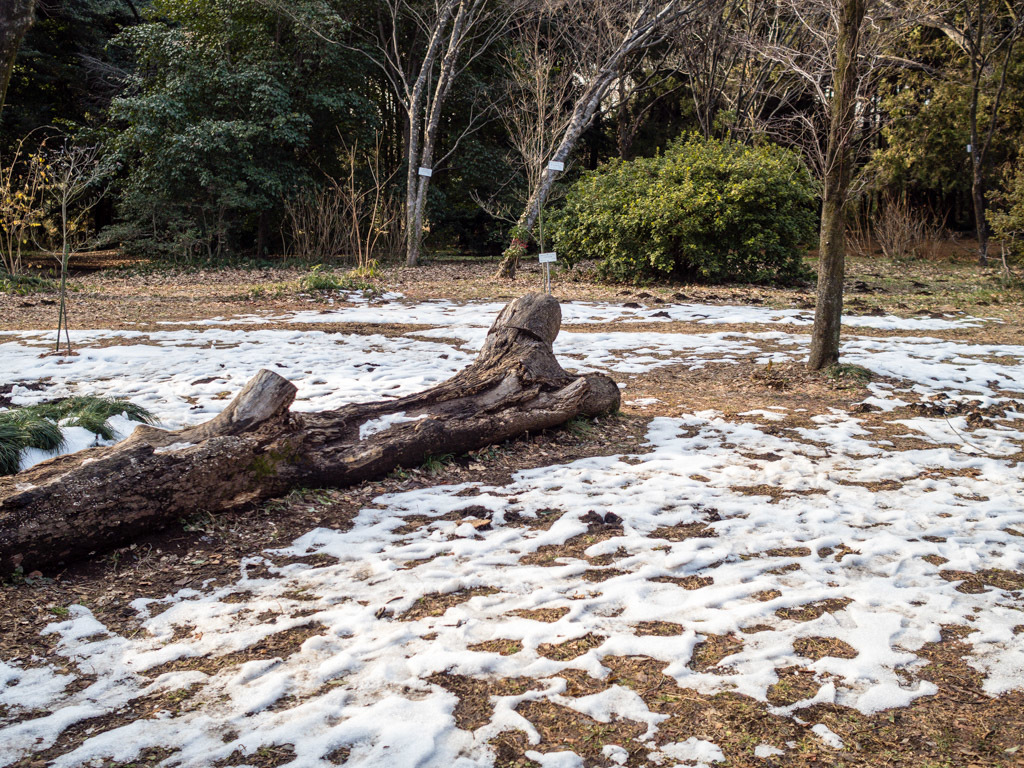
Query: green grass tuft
39, 431
579, 426
851, 374
22, 285
10, 447
39, 426
323, 280
435, 464
320, 280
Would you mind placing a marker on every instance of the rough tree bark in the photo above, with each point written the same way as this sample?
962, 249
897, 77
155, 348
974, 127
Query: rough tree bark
16, 18
258, 448
828, 315
980, 144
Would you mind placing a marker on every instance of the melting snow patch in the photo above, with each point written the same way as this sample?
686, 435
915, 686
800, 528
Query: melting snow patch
615, 753
30, 688
847, 545
556, 759
693, 751
383, 423
828, 736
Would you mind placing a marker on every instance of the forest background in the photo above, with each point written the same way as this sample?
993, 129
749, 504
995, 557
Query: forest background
234, 129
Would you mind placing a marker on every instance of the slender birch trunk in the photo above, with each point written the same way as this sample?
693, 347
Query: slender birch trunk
415, 104
445, 79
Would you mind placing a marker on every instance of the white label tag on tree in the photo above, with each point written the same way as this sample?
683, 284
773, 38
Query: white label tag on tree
547, 258
426, 172
556, 165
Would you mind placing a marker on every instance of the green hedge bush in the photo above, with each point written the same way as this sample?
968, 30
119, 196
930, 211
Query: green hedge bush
1006, 216
705, 211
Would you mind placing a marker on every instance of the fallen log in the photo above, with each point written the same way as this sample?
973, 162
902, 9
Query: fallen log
257, 448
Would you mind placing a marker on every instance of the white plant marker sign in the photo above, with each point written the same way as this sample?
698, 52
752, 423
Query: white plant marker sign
428, 172
547, 259
556, 165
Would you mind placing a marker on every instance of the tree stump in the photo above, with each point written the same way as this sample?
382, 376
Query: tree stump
257, 448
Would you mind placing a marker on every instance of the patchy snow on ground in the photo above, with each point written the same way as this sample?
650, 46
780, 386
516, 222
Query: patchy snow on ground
188, 376
390, 309
838, 552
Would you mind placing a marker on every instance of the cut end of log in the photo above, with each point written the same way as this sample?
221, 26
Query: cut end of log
538, 314
265, 398
602, 397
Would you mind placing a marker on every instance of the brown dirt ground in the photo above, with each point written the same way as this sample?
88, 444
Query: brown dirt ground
139, 295
961, 726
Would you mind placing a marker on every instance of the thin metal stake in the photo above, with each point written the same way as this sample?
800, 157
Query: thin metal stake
540, 227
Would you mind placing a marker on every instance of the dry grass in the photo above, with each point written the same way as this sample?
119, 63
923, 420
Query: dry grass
475, 708
436, 604
547, 615
660, 628
571, 549
812, 611
710, 651
815, 648
503, 646
691, 582
278, 645
570, 649
975, 582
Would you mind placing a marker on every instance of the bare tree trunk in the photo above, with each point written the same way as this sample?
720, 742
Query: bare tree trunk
415, 104
978, 199
582, 115
445, 78
16, 18
828, 314
257, 448
623, 134
981, 144
977, 151
648, 26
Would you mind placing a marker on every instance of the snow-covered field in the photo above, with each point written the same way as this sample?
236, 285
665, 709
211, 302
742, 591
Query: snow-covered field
858, 545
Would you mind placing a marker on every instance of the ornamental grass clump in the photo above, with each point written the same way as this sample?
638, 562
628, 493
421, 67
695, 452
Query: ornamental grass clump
39, 426
704, 211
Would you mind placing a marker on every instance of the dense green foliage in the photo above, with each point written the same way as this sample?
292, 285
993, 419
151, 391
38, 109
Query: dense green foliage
39, 426
1007, 218
705, 210
222, 120
218, 117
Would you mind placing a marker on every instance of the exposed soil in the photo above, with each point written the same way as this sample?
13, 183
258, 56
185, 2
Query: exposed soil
961, 726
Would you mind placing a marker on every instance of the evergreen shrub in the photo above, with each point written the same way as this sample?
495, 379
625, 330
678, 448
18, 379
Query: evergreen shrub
704, 211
